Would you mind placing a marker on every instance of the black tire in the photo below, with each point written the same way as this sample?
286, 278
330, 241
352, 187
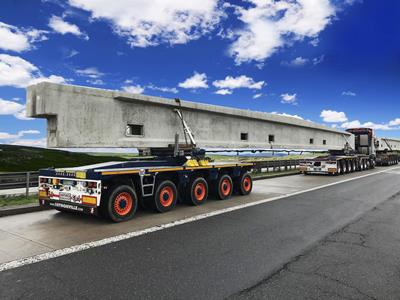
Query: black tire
223, 187
166, 196
244, 184
340, 168
197, 191
121, 204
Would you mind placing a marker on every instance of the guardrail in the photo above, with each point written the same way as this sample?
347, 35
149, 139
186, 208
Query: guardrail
276, 165
17, 180
27, 180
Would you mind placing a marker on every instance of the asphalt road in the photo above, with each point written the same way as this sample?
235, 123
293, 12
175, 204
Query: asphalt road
338, 242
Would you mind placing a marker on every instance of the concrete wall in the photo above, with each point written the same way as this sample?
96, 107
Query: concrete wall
88, 117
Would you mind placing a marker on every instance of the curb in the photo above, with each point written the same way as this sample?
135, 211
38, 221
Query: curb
21, 209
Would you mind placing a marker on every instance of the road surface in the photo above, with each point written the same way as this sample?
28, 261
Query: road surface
330, 239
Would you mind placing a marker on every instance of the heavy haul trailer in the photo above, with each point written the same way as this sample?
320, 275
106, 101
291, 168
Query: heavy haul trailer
387, 156
357, 157
115, 189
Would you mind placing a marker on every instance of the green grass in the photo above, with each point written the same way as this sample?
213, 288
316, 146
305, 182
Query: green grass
18, 200
20, 158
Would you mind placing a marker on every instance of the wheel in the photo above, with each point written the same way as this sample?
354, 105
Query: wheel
352, 166
340, 167
244, 184
121, 205
224, 187
166, 196
198, 191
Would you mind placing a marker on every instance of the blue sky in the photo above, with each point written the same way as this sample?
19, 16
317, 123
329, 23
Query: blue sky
332, 62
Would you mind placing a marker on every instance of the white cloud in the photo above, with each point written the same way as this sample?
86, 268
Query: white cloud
42, 143
238, 82
287, 115
331, 116
8, 136
89, 72
17, 72
95, 81
63, 27
395, 122
223, 92
133, 89
164, 89
150, 23
17, 39
357, 123
197, 81
296, 62
10, 107
348, 93
289, 98
270, 25
257, 96
318, 60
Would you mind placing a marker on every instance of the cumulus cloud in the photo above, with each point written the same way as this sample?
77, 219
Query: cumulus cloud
95, 81
133, 89
164, 89
197, 81
16, 71
391, 125
289, 98
242, 81
270, 25
348, 93
90, 72
287, 115
17, 39
223, 92
331, 116
41, 143
13, 108
296, 62
150, 23
63, 27
9, 136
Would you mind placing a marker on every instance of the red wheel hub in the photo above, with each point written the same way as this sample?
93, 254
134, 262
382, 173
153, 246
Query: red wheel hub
200, 191
226, 187
123, 203
166, 196
246, 184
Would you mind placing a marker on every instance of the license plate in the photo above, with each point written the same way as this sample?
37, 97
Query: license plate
65, 196
317, 169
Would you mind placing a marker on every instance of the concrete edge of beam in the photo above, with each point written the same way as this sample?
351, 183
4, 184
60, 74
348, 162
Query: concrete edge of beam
122, 96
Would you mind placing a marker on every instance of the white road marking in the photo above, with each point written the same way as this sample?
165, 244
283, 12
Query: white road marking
106, 241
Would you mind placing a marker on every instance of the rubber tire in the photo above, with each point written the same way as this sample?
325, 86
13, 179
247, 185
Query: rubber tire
217, 189
239, 184
157, 204
108, 209
341, 168
191, 191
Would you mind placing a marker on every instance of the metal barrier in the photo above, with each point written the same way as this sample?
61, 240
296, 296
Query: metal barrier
19, 180
275, 165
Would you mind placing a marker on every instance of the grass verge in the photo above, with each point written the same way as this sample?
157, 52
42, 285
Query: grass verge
18, 200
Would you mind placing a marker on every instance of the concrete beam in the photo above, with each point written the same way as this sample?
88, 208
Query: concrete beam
88, 117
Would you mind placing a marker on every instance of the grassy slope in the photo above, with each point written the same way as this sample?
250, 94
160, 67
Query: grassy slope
19, 158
